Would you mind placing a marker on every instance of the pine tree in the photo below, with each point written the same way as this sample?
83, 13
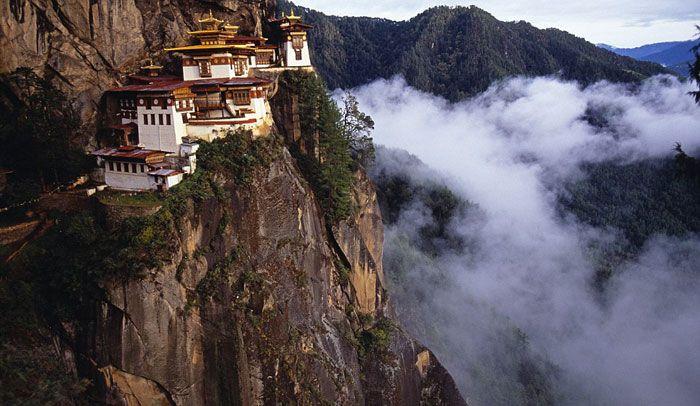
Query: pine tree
695, 70
357, 129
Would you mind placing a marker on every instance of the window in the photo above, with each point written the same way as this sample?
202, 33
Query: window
204, 68
153, 119
298, 45
143, 168
119, 166
133, 168
184, 118
264, 58
167, 119
241, 97
239, 66
145, 119
111, 166
160, 119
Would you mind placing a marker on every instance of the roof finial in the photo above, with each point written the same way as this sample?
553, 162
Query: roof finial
291, 12
210, 14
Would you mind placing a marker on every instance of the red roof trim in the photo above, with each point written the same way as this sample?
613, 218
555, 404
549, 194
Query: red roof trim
206, 122
135, 153
169, 86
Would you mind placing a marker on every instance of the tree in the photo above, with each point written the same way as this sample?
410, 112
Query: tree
328, 168
357, 130
37, 124
695, 70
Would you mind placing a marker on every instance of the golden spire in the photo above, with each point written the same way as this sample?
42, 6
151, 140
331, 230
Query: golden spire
292, 16
151, 69
211, 19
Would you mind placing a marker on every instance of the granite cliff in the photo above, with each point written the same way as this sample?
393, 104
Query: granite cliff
258, 300
253, 307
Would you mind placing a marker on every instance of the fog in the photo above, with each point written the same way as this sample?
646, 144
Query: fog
509, 151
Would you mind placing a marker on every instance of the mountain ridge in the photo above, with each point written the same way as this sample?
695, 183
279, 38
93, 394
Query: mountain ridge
456, 52
676, 55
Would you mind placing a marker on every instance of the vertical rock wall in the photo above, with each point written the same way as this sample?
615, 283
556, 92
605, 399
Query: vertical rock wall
252, 310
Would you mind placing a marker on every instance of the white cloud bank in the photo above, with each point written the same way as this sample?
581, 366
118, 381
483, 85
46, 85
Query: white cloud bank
508, 150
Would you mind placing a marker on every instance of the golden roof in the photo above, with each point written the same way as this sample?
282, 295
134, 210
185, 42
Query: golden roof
151, 66
205, 47
210, 19
212, 32
291, 15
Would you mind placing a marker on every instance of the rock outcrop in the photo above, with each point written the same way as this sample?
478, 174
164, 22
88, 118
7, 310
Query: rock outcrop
252, 308
259, 302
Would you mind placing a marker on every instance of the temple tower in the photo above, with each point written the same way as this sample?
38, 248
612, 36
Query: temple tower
294, 47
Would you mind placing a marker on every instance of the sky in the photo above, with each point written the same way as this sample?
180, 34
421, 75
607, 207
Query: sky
621, 23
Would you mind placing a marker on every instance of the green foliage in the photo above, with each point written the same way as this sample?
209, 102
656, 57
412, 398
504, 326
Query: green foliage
329, 171
687, 167
357, 129
639, 199
31, 371
694, 71
132, 199
237, 155
397, 192
70, 263
455, 52
216, 277
375, 340
343, 273
37, 126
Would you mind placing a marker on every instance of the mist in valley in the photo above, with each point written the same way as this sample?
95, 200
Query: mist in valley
503, 288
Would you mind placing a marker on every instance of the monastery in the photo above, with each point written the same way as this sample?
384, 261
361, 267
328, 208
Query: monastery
159, 119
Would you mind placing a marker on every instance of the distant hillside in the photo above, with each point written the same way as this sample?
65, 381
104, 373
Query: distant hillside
674, 55
456, 51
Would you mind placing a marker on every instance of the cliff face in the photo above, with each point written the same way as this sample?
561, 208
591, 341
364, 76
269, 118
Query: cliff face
259, 301
253, 308
84, 46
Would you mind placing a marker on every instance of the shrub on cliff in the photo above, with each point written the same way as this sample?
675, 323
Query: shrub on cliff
327, 163
37, 124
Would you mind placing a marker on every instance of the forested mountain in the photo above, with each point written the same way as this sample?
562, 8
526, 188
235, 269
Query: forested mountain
676, 55
455, 51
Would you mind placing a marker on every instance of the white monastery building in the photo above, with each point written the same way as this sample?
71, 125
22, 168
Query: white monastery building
160, 118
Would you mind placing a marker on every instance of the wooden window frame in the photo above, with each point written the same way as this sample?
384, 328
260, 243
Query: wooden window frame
241, 97
204, 68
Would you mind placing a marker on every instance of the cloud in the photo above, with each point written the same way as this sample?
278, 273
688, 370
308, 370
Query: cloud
510, 150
